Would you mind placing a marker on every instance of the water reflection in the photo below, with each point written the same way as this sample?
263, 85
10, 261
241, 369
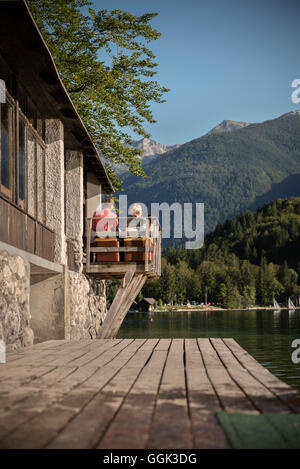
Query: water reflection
266, 335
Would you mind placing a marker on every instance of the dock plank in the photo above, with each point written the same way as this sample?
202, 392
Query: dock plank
100, 411
134, 393
232, 398
171, 424
263, 399
130, 428
203, 401
282, 390
29, 402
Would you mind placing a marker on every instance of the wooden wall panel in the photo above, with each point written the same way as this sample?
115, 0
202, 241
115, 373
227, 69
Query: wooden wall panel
23, 232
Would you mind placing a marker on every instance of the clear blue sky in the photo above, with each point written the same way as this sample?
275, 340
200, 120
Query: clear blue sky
222, 59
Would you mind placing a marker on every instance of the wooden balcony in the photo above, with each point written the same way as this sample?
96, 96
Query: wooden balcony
22, 231
150, 252
137, 239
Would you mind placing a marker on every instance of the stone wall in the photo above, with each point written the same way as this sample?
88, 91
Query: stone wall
74, 203
87, 306
68, 305
54, 183
47, 308
15, 327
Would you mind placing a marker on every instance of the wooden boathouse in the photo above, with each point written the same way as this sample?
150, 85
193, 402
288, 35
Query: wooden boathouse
59, 388
52, 180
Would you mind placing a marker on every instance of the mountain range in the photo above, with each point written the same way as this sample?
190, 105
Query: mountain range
151, 149
227, 126
235, 167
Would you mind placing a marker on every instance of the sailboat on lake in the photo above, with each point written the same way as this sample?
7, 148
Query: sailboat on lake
276, 305
291, 305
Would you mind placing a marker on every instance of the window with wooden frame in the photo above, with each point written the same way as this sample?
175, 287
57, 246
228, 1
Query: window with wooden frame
22, 157
35, 171
6, 148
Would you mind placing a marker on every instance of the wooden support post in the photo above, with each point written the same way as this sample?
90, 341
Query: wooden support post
116, 304
136, 286
126, 294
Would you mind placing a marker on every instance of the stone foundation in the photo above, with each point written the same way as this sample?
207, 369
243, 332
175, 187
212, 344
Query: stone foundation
87, 306
47, 308
15, 328
64, 306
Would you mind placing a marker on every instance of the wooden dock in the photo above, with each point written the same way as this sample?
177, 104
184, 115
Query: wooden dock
142, 393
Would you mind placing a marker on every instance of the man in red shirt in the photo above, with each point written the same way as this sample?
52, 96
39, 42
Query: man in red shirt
105, 221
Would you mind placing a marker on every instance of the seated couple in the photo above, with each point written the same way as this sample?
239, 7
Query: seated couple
105, 222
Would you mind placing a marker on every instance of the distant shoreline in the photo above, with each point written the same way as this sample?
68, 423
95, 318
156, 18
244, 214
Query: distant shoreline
215, 309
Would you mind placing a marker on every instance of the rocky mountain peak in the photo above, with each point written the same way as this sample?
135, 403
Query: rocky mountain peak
152, 148
227, 126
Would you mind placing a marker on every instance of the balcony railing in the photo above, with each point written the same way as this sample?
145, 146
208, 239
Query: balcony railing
135, 244
19, 229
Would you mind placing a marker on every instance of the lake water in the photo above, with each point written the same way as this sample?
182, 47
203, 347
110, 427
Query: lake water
266, 335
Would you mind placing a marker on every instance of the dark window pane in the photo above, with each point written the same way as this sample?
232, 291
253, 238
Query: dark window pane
5, 146
22, 162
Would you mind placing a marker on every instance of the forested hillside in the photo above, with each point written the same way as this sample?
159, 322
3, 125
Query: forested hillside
245, 261
229, 172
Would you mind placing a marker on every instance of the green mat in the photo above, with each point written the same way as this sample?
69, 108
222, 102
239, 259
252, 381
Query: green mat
267, 431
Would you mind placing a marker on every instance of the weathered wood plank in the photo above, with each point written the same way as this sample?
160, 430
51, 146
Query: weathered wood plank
263, 399
171, 425
49, 344
81, 355
28, 392
19, 375
39, 411
91, 357
113, 363
45, 356
130, 428
99, 412
230, 395
132, 393
282, 390
203, 401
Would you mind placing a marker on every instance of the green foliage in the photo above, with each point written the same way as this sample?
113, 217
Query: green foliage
139, 298
229, 172
112, 287
106, 65
228, 274
260, 234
